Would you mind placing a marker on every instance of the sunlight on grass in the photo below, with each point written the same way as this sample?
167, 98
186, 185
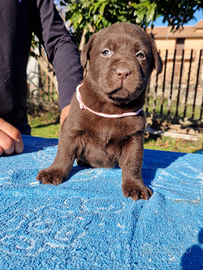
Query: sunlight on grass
174, 145
46, 132
173, 108
47, 126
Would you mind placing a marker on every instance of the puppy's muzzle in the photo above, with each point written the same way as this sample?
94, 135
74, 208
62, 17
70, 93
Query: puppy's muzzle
122, 73
120, 94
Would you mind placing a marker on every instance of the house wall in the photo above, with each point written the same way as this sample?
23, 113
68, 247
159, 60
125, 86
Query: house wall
196, 44
163, 44
170, 44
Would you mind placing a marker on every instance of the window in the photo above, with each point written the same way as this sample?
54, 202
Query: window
180, 43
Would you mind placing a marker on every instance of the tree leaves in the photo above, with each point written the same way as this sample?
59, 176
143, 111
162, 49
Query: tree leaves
94, 15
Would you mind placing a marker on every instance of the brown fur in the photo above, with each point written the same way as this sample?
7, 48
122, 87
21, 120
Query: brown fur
121, 59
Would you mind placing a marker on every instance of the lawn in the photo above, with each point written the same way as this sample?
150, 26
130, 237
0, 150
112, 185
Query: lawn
181, 108
171, 144
47, 126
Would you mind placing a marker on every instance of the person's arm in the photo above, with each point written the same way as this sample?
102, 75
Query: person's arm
61, 50
10, 139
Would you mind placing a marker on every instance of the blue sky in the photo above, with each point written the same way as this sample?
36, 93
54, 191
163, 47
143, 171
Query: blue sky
198, 15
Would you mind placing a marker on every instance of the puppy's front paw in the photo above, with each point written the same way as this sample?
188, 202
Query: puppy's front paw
135, 192
50, 176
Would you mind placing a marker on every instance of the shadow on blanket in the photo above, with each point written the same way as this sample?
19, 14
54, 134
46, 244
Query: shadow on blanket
35, 144
193, 257
151, 164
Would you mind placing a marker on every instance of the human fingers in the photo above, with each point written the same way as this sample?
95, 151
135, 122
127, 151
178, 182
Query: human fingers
19, 146
10, 138
1, 150
11, 149
64, 113
9, 145
6, 143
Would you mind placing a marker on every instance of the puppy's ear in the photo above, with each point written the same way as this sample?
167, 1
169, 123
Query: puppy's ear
85, 54
158, 64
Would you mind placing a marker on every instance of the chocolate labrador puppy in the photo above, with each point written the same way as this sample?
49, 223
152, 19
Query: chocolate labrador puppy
106, 123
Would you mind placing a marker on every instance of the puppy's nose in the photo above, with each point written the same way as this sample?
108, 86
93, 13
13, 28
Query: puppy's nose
122, 72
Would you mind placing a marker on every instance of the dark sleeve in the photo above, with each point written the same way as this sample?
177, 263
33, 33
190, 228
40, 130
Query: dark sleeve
61, 50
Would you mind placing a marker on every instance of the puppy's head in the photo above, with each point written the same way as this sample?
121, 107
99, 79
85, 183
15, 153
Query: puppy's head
121, 59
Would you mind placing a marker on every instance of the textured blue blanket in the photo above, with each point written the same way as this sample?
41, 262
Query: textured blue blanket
86, 223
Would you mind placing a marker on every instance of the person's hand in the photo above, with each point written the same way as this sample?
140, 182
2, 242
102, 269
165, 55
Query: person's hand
64, 113
10, 139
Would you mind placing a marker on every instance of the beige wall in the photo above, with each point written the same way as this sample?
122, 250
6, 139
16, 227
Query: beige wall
163, 44
170, 44
196, 44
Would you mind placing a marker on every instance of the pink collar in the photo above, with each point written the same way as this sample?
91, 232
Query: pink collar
83, 106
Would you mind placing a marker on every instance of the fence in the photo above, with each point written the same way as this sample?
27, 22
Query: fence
176, 93
42, 83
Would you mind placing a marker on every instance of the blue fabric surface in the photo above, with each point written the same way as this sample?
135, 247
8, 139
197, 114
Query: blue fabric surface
86, 223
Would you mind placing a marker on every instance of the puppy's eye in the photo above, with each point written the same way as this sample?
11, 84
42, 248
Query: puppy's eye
106, 53
140, 55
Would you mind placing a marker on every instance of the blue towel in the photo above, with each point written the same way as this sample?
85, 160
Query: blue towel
86, 223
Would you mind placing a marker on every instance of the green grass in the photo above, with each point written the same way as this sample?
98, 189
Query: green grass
47, 126
174, 145
181, 108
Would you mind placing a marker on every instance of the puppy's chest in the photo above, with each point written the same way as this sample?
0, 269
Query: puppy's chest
102, 145
109, 134
114, 134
